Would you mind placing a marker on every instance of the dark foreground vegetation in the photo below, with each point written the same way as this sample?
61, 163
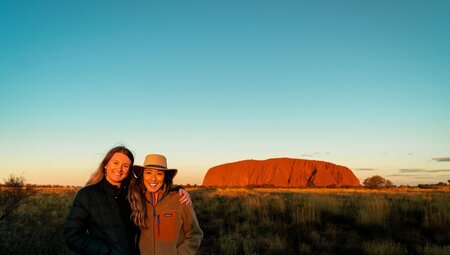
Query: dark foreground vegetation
270, 221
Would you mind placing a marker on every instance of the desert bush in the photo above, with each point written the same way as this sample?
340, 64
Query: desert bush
377, 181
12, 194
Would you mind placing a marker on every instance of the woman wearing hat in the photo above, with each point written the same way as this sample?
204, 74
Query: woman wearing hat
167, 227
99, 220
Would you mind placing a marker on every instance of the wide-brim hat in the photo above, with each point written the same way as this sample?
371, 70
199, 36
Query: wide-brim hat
153, 161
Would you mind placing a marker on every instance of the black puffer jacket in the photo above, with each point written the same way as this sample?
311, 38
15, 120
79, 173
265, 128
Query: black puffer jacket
99, 221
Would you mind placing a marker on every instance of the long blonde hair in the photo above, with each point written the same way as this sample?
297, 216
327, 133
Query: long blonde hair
136, 197
99, 174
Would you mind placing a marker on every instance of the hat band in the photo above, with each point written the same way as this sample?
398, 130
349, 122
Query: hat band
156, 166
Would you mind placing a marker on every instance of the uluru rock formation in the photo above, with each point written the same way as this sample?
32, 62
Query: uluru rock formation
281, 172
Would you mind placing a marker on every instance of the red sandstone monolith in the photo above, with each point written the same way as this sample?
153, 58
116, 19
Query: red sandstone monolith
281, 172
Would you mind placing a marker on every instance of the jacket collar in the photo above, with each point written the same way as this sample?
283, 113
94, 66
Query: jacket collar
150, 196
111, 189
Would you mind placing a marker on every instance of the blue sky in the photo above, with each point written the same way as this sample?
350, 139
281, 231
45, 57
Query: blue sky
365, 84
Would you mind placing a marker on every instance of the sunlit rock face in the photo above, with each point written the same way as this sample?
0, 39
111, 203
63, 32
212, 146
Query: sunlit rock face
281, 172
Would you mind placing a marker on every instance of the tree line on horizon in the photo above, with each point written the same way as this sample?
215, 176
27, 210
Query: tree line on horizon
375, 181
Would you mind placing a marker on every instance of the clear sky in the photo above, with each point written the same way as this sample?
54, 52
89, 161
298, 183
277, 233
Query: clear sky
364, 84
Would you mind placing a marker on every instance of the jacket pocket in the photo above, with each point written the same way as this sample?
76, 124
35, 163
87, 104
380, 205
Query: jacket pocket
166, 226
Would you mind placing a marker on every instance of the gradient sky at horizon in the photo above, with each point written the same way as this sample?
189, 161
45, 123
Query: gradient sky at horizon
365, 84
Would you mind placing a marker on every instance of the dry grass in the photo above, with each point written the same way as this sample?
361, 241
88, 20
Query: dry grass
272, 221
324, 220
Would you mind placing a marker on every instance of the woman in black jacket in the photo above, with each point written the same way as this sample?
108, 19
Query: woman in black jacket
99, 220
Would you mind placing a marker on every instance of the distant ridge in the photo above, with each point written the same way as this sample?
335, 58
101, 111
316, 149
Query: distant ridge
281, 172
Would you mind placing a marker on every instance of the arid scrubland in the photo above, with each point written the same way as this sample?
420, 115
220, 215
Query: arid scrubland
324, 221
271, 221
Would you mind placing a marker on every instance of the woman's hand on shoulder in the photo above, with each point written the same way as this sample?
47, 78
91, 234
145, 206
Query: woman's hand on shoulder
185, 198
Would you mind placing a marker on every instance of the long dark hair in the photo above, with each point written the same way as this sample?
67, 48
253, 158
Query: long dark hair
99, 173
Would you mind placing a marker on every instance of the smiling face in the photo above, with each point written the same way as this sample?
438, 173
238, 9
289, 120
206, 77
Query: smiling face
153, 179
117, 168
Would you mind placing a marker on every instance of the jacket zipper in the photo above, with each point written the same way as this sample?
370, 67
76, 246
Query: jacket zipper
159, 222
154, 238
157, 219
